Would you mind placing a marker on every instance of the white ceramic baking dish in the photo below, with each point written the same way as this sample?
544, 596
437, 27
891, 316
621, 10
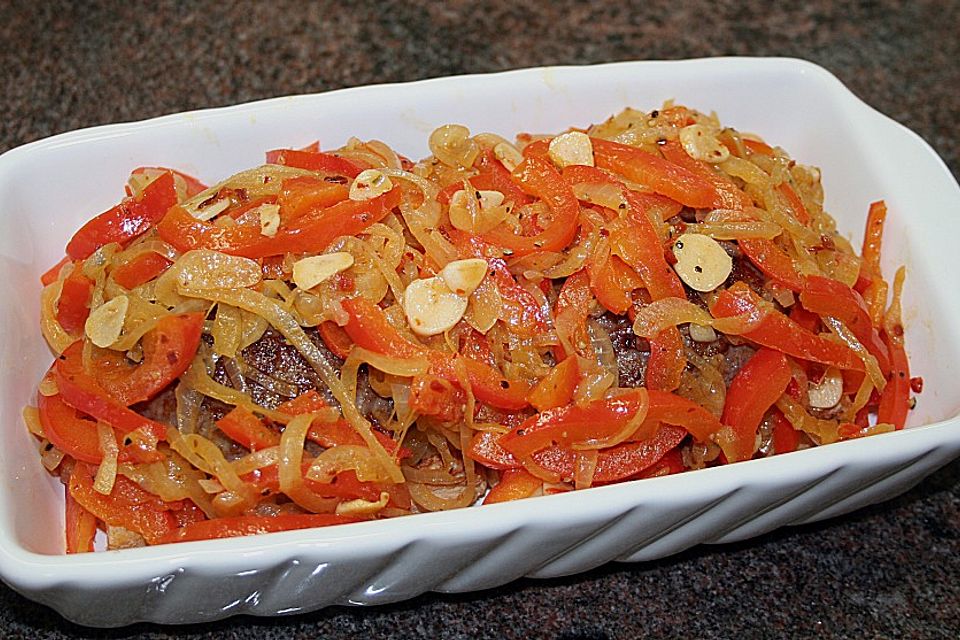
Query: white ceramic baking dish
48, 188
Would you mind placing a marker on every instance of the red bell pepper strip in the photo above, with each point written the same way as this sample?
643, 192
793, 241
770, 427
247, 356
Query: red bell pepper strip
729, 195
631, 459
574, 302
604, 418
828, 297
758, 384
794, 203
82, 392
663, 176
125, 221
515, 484
622, 461
345, 485
246, 429
536, 148
193, 185
237, 212
335, 338
613, 283
235, 526
51, 274
539, 178
875, 294
303, 194
314, 161
308, 402
640, 248
519, 308
780, 333
669, 464
144, 268
785, 437
756, 146
81, 525
557, 387
654, 204
431, 395
667, 360
895, 398
312, 232
127, 506
77, 435
494, 177
168, 350
773, 262
675, 410
73, 306
74, 435
369, 328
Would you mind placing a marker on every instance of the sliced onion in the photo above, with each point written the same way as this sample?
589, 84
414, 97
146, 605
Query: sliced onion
50, 456
56, 337
822, 431
736, 230
31, 418
227, 331
605, 195
257, 182
283, 322
671, 312
631, 428
198, 379
427, 498
584, 468
846, 336
345, 457
290, 467
706, 387
453, 146
206, 456
107, 471
484, 306
205, 269
257, 460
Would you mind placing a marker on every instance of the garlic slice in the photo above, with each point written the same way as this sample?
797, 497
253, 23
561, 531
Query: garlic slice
827, 393
431, 307
476, 211
701, 143
105, 323
309, 272
269, 219
508, 155
702, 333
701, 262
571, 148
464, 276
361, 507
370, 184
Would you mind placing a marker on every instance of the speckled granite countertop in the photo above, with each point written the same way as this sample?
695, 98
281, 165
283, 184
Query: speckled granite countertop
892, 570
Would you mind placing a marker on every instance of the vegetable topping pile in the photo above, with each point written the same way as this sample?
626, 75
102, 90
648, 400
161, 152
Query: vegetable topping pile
346, 335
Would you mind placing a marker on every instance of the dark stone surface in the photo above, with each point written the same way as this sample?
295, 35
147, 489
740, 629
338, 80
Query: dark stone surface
888, 571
